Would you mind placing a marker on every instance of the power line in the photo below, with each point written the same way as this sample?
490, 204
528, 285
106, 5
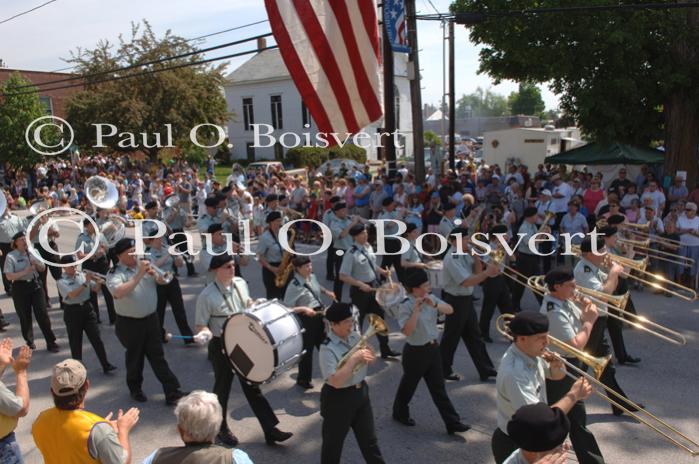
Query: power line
26, 12
150, 71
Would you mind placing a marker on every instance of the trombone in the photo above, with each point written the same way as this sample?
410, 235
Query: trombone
658, 425
643, 231
642, 247
617, 303
660, 283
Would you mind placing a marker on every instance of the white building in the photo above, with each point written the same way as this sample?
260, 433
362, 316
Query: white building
261, 91
529, 146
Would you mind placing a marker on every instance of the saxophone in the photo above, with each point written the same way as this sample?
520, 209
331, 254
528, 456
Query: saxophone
286, 267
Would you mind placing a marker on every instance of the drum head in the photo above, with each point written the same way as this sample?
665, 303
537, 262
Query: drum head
248, 347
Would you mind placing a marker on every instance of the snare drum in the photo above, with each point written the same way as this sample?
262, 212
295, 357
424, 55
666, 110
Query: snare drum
263, 342
389, 296
434, 272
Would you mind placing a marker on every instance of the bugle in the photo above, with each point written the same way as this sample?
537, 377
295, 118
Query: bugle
96, 276
165, 276
376, 326
650, 420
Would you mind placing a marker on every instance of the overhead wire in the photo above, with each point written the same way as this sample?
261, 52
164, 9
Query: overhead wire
26, 12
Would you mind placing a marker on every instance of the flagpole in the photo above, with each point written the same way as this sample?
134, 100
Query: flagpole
415, 95
389, 125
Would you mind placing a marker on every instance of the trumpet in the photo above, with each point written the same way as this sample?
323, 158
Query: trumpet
96, 276
650, 420
617, 303
376, 326
165, 276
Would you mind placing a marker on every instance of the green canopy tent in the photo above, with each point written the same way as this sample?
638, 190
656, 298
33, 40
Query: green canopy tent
615, 153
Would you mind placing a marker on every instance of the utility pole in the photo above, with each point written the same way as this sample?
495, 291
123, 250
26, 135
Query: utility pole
415, 95
389, 101
452, 100
443, 109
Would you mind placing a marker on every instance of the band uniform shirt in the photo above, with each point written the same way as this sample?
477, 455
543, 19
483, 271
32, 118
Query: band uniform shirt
457, 268
17, 261
205, 259
390, 227
337, 225
216, 303
521, 381
515, 458
67, 284
426, 326
141, 301
328, 217
588, 275
10, 225
155, 254
564, 320
526, 231
205, 221
331, 352
412, 255
269, 248
445, 227
360, 263
302, 292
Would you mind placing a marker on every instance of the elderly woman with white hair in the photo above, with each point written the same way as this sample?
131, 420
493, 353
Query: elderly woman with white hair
198, 422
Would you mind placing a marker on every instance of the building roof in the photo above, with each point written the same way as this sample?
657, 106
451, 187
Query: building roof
264, 66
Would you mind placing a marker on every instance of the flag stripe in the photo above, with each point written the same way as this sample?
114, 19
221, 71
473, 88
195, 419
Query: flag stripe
371, 23
327, 60
366, 91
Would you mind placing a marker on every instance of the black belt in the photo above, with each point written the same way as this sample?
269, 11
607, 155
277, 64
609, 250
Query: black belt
430, 343
136, 318
33, 281
350, 388
456, 296
76, 305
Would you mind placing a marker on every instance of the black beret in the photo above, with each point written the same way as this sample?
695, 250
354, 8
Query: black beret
499, 229
557, 276
608, 231
281, 197
298, 261
449, 206
530, 211
538, 427
335, 199
357, 229
586, 245
409, 227
529, 323
18, 235
123, 245
151, 204
214, 228
650, 207
415, 278
271, 197
211, 202
615, 219
226, 189
219, 260
387, 201
67, 259
339, 205
273, 216
458, 230
338, 312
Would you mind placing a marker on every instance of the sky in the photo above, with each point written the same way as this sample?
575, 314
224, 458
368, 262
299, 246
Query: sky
38, 40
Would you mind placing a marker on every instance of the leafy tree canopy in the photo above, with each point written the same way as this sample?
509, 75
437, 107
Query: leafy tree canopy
527, 100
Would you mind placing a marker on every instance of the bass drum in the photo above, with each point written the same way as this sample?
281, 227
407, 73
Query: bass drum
262, 342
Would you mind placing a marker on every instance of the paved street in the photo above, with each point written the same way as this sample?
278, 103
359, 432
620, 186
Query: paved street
666, 382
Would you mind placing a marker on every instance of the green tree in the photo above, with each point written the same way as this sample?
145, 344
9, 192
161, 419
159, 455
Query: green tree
628, 76
431, 139
183, 97
481, 103
527, 100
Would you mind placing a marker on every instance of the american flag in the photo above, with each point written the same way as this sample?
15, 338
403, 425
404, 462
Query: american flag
394, 17
331, 49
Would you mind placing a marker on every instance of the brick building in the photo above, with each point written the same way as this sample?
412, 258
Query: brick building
53, 100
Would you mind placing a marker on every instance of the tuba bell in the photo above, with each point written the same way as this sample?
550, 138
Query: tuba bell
38, 206
101, 192
113, 230
171, 201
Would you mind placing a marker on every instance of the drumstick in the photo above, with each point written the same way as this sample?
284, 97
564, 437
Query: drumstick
390, 280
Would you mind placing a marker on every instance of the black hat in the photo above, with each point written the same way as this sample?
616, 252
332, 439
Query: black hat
409, 227
458, 230
211, 202
538, 427
387, 201
338, 312
586, 245
615, 219
271, 197
530, 211
151, 204
415, 278
273, 216
335, 199
449, 206
357, 229
67, 259
499, 229
123, 245
608, 231
339, 205
214, 228
219, 260
529, 323
298, 261
226, 189
557, 276
281, 197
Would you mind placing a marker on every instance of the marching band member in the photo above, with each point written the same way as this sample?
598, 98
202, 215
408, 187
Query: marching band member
462, 272
588, 274
132, 284
10, 225
225, 296
270, 254
344, 399
392, 244
496, 290
411, 259
525, 370
417, 318
571, 325
27, 295
79, 316
447, 223
175, 220
359, 270
305, 290
340, 226
170, 292
527, 260
539, 431
331, 257
219, 244
210, 216
98, 263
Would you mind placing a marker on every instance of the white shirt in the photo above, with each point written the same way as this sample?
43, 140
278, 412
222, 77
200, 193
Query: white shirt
683, 222
560, 205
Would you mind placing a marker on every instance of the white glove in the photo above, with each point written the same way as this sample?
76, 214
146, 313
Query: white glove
203, 337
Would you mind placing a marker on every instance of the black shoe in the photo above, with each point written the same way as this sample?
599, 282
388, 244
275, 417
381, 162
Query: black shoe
305, 384
277, 436
109, 368
629, 360
487, 339
53, 348
409, 421
489, 373
454, 377
458, 427
171, 399
31, 345
139, 396
389, 354
226, 437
